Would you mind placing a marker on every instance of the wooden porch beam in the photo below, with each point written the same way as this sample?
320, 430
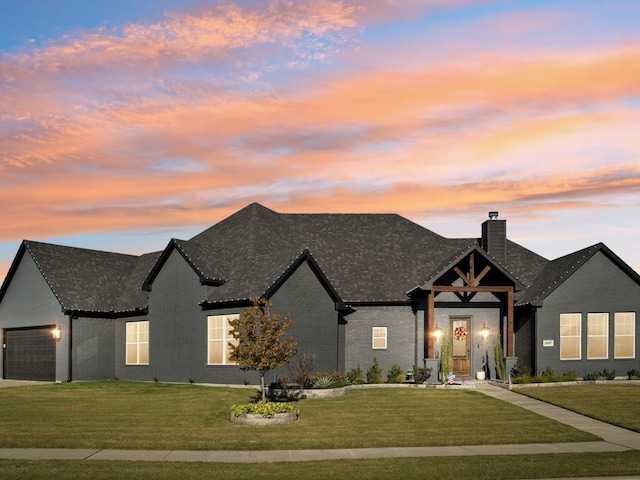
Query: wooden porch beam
461, 274
431, 326
454, 288
484, 271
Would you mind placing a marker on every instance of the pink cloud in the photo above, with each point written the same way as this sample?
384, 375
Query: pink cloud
153, 145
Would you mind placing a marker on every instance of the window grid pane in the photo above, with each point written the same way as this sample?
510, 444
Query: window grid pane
379, 337
570, 334
137, 343
597, 335
219, 338
625, 335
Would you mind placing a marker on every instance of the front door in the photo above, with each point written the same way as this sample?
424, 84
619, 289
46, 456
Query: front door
461, 347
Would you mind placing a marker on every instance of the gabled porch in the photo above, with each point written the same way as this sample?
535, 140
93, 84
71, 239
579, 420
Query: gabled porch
466, 306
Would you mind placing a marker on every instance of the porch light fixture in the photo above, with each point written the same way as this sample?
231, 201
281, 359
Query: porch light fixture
437, 333
55, 333
484, 332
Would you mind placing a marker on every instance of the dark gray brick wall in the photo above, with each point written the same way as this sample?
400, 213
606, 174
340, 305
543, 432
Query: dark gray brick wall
597, 286
400, 323
523, 326
93, 349
314, 319
178, 328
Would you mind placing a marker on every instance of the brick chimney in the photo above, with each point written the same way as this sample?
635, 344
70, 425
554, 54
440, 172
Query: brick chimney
494, 237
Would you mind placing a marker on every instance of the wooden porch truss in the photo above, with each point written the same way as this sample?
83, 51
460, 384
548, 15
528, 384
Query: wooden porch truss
471, 285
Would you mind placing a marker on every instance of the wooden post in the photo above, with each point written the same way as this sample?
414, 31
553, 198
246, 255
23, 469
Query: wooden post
431, 352
510, 332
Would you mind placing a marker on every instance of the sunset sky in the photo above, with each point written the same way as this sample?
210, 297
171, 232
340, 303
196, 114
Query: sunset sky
126, 123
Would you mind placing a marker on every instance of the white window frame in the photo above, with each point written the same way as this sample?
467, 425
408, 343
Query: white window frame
378, 333
225, 338
624, 316
140, 332
592, 319
571, 316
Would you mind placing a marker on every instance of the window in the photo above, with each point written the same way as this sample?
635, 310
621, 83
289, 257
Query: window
570, 332
138, 343
379, 337
625, 335
597, 335
219, 338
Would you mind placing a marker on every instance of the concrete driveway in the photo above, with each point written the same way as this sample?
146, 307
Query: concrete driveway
18, 383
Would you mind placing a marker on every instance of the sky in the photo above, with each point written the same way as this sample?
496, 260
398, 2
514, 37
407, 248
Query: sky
125, 124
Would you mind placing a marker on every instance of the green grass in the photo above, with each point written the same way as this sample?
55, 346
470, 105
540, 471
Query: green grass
477, 468
129, 415
615, 404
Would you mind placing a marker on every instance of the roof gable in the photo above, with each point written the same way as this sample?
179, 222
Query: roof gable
447, 269
82, 280
556, 272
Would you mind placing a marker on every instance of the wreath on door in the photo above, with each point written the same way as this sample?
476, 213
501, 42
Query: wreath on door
460, 333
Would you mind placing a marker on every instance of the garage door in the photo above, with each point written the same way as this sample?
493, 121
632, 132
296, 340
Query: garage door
30, 354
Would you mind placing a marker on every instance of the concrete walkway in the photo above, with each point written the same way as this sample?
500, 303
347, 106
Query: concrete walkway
615, 439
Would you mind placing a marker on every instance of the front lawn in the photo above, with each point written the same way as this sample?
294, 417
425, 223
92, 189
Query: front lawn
130, 415
618, 404
499, 467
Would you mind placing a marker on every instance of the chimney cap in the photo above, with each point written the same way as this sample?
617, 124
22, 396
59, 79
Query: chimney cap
493, 215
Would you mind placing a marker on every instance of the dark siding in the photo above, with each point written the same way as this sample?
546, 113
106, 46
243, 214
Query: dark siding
177, 331
178, 328
400, 323
597, 286
314, 318
93, 349
29, 302
524, 331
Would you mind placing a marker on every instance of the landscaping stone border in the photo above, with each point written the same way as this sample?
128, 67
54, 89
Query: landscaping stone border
259, 420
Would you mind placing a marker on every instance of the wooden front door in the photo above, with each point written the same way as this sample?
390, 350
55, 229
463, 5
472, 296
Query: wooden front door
461, 346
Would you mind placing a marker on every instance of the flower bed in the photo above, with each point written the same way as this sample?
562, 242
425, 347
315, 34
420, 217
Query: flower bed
270, 413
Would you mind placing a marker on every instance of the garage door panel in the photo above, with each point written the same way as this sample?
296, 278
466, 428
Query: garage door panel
30, 354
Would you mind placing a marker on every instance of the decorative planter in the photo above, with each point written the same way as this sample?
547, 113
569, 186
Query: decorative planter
253, 419
480, 375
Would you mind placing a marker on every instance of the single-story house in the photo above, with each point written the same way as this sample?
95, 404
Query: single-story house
358, 287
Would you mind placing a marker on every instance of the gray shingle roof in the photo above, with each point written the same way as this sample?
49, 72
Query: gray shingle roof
361, 258
557, 271
88, 280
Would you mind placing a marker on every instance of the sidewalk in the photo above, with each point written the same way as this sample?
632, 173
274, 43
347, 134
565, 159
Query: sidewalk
615, 439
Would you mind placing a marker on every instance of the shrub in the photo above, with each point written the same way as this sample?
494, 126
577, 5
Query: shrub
267, 410
322, 380
634, 374
339, 379
395, 374
604, 375
501, 370
548, 376
374, 373
355, 376
445, 358
520, 369
422, 374
302, 372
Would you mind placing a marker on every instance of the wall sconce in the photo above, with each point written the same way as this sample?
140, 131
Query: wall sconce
437, 333
484, 332
55, 333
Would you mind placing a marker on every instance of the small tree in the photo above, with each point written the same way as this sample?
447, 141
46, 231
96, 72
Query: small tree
261, 345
